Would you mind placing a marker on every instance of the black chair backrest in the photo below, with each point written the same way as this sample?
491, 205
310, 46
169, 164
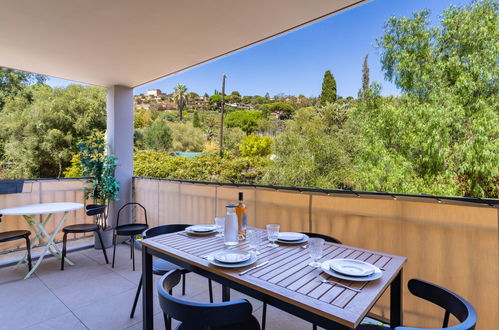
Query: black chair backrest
164, 229
97, 209
325, 237
448, 300
127, 205
198, 315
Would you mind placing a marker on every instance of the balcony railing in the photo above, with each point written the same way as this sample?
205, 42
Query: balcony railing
452, 242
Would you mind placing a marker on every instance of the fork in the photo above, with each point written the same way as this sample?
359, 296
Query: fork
323, 280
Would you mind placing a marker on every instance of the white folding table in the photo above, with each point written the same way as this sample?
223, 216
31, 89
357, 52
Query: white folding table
38, 226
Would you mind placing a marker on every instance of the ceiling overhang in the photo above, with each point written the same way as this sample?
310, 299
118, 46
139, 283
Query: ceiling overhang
130, 42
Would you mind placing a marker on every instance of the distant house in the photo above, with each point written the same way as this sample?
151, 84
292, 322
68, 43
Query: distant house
154, 92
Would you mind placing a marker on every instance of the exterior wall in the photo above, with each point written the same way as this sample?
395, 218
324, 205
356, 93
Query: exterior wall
43, 191
450, 244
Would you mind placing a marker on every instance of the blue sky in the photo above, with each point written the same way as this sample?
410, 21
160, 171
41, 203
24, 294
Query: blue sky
294, 63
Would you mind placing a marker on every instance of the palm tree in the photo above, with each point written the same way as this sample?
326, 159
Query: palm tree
180, 98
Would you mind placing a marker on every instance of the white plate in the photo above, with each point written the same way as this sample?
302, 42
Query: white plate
232, 256
303, 240
199, 233
248, 262
201, 228
352, 267
326, 267
290, 236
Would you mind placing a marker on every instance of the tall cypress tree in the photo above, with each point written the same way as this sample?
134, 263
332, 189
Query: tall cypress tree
328, 94
365, 78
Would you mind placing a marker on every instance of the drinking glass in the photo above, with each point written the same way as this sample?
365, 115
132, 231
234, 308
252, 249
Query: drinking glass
219, 225
254, 239
273, 234
315, 248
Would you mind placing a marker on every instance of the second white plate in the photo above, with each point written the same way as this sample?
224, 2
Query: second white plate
326, 267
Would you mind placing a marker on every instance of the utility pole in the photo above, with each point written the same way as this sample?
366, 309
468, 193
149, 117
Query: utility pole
220, 152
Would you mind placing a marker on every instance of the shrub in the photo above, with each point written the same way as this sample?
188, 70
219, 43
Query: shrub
254, 145
158, 136
202, 168
186, 137
245, 120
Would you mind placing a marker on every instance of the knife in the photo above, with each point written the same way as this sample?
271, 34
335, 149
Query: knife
255, 267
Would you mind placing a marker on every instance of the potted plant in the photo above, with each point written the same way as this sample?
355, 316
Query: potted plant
99, 166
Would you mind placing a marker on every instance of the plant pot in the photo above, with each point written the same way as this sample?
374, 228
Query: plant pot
107, 239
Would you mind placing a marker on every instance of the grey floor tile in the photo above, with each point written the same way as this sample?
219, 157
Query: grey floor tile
64, 322
112, 312
87, 291
27, 302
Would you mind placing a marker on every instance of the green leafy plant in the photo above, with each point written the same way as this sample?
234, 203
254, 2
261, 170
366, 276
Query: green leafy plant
99, 167
254, 145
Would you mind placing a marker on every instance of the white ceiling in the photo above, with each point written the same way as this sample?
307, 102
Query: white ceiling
133, 42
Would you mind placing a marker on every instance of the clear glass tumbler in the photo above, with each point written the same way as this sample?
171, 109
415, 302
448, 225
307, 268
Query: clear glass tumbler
273, 234
254, 238
219, 225
315, 248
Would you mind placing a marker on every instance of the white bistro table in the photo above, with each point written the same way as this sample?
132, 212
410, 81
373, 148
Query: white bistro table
38, 226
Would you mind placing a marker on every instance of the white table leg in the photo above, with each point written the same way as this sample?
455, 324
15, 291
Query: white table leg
49, 242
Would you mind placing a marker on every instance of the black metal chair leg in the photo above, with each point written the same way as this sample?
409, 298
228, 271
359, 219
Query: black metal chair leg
64, 240
210, 288
102, 245
131, 247
314, 326
168, 322
183, 284
28, 247
132, 244
136, 298
114, 247
264, 314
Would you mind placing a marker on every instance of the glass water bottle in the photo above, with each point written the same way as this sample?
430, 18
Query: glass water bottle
231, 226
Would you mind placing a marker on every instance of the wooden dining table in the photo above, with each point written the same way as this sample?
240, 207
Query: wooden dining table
286, 281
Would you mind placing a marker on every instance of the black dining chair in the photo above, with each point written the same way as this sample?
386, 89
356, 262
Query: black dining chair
13, 235
198, 316
160, 266
130, 229
327, 239
91, 210
448, 300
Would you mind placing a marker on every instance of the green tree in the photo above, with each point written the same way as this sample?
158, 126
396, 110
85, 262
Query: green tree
215, 101
195, 120
328, 93
14, 83
283, 110
51, 124
246, 120
180, 98
365, 79
158, 136
186, 137
254, 145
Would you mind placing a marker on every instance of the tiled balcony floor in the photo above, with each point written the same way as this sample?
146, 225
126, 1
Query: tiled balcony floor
92, 295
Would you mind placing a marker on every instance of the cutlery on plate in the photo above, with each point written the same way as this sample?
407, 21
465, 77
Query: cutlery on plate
254, 267
323, 280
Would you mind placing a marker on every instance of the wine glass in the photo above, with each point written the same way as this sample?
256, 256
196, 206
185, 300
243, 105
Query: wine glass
315, 248
219, 226
254, 239
273, 234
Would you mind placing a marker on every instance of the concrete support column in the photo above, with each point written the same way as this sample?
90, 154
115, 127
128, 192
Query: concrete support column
120, 142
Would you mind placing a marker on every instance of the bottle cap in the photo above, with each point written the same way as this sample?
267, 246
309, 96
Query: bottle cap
230, 205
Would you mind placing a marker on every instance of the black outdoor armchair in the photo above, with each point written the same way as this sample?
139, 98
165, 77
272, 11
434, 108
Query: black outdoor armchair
199, 316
